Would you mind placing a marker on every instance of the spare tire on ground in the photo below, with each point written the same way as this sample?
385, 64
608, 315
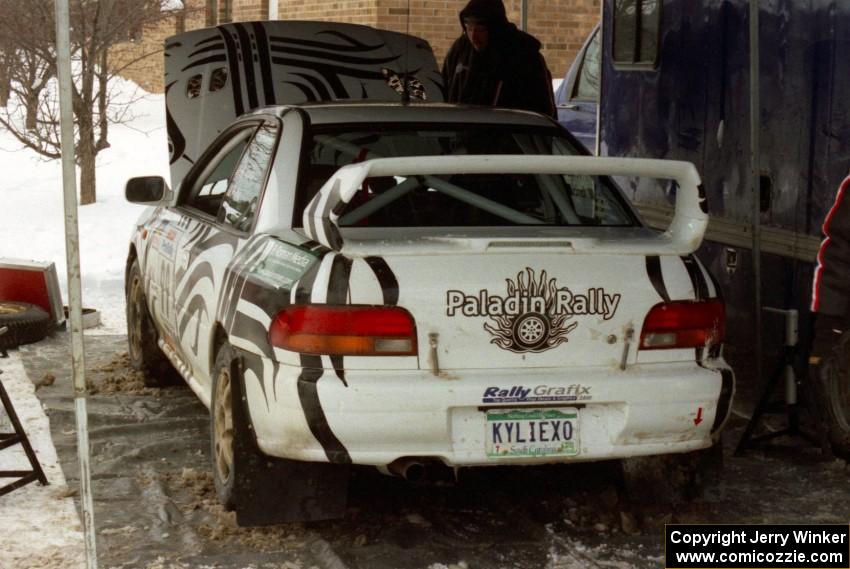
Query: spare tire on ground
25, 323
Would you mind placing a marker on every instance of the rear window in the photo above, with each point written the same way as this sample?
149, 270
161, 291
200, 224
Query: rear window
459, 200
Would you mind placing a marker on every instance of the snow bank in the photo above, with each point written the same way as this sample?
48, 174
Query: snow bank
41, 528
32, 218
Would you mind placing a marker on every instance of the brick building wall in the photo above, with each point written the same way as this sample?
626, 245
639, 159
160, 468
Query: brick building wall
141, 60
250, 10
351, 11
560, 25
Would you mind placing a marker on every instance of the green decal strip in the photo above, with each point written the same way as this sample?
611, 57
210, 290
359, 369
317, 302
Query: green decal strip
284, 264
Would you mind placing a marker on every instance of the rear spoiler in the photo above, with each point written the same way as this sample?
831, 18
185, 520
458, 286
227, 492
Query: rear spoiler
683, 236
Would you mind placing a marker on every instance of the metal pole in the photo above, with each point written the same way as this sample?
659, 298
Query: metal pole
72, 255
523, 15
755, 171
273, 10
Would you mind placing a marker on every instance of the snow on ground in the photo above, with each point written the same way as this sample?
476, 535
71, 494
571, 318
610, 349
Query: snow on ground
32, 218
41, 528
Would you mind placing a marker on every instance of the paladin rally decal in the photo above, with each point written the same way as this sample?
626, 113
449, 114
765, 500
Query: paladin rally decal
535, 315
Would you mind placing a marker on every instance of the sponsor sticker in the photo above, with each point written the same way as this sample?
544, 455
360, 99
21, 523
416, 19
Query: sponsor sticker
282, 265
536, 314
536, 394
164, 239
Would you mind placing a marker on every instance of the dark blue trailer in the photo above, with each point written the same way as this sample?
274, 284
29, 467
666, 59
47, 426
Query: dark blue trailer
674, 82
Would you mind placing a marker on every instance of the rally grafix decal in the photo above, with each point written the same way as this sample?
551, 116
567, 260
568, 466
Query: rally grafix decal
536, 314
536, 394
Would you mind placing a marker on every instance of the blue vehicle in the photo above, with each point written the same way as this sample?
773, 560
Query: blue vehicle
672, 80
576, 98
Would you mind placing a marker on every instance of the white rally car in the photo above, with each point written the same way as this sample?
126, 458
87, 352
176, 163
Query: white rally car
401, 284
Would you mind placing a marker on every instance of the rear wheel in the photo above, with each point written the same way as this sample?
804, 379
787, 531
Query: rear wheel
144, 353
833, 387
263, 490
228, 473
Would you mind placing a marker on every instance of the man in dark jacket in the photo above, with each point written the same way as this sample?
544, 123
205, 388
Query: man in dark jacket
494, 63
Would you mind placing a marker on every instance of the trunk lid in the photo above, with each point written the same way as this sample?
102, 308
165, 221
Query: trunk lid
503, 302
524, 308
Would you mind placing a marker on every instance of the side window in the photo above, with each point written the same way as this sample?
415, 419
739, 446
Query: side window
636, 29
208, 190
587, 86
240, 204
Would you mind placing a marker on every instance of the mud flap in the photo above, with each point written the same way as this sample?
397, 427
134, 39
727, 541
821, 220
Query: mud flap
275, 490
665, 481
283, 491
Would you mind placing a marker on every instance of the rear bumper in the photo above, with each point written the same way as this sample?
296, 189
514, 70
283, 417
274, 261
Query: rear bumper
377, 417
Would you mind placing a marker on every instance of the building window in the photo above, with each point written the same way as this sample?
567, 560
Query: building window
636, 32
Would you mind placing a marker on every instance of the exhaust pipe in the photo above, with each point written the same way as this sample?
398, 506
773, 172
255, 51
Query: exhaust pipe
410, 469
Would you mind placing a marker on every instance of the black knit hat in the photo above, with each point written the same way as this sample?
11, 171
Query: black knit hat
490, 12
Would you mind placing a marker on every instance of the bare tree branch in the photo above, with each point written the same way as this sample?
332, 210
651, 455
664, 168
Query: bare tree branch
28, 69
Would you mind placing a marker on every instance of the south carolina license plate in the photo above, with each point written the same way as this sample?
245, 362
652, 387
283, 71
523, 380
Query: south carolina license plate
529, 433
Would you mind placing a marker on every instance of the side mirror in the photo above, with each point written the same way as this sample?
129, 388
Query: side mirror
145, 189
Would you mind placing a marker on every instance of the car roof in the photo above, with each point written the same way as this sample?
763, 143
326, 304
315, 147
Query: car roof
382, 112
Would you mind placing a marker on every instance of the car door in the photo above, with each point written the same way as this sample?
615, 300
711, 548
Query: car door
577, 97
220, 208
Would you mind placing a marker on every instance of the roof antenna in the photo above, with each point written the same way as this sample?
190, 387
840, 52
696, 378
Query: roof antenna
405, 83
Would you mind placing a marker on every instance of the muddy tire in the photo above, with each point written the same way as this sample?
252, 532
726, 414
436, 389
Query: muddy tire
263, 490
229, 443
832, 379
143, 350
25, 323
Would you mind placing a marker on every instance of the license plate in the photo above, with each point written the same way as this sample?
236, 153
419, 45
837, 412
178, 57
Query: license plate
529, 433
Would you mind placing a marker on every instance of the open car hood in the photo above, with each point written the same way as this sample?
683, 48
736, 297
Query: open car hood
216, 74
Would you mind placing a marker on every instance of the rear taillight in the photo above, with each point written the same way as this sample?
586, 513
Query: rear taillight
684, 324
345, 330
